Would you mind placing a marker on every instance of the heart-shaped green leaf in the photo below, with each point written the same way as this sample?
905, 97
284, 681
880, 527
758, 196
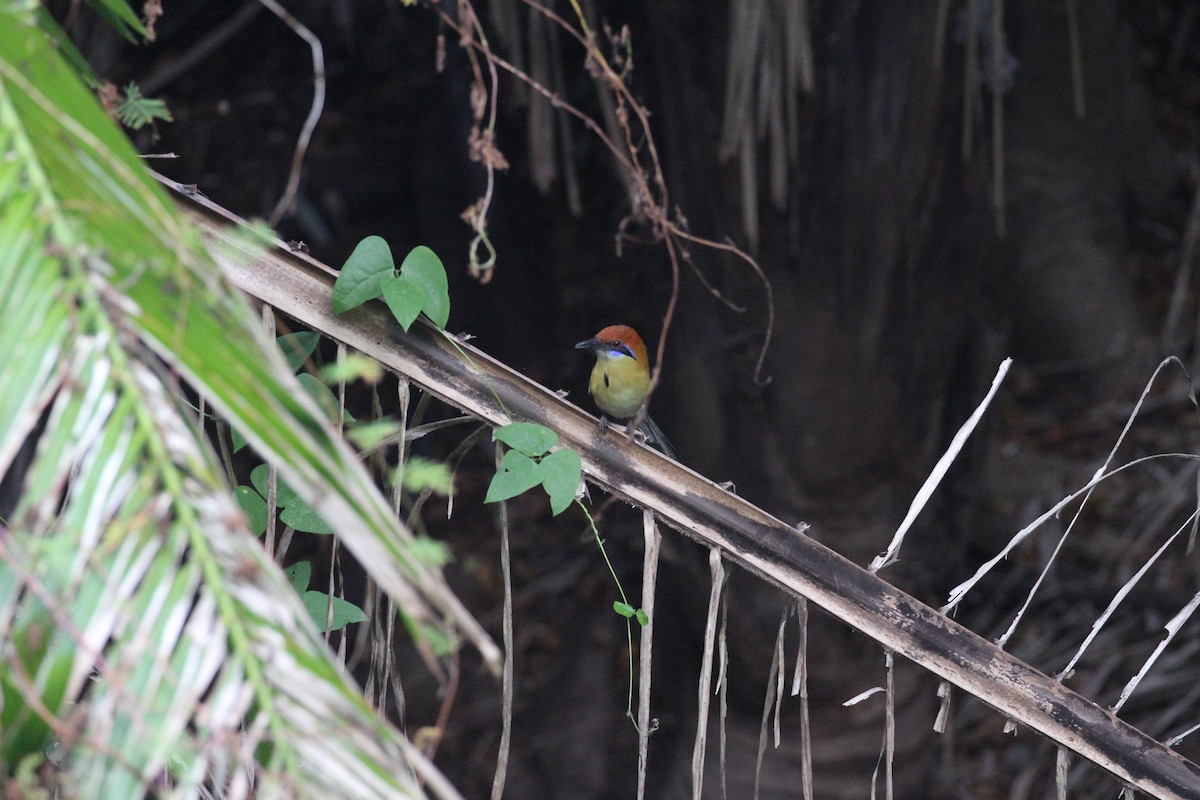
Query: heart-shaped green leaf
526, 437
561, 471
358, 281
518, 473
423, 269
344, 612
404, 298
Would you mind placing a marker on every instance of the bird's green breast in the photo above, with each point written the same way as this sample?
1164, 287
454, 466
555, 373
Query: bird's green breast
619, 385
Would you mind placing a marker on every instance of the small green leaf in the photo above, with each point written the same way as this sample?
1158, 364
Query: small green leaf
237, 439
358, 281
526, 437
421, 474
403, 297
284, 494
344, 612
430, 551
561, 472
623, 609
322, 394
258, 236
369, 435
642, 617
424, 269
298, 347
254, 507
299, 515
136, 112
258, 477
442, 644
351, 368
518, 473
298, 575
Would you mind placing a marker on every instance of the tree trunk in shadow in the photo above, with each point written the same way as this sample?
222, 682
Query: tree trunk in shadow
886, 277
876, 264
1070, 294
891, 294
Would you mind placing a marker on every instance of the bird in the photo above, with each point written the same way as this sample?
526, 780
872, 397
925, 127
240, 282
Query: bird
620, 380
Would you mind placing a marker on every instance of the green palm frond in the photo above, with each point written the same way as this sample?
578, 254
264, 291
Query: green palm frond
121, 16
144, 633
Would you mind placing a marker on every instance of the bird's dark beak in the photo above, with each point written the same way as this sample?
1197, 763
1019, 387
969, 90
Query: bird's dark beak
590, 344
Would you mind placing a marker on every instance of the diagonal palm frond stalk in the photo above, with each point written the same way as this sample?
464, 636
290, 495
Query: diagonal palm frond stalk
147, 643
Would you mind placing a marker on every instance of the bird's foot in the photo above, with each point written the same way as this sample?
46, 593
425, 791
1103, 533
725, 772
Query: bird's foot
637, 434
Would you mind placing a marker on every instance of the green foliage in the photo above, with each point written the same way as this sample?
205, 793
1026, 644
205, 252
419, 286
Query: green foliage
319, 604
629, 612
518, 473
39, 651
141, 615
526, 437
431, 551
295, 511
300, 515
325, 398
50, 28
253, 506
284, 495
561, 473
119, 15
136, 112
298, 347
299, 575
368, 436
358, 282
528, 464
421, 474
353, 367
420, 286
331, 613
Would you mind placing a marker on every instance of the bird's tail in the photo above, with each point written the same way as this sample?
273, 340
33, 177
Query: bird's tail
656, 439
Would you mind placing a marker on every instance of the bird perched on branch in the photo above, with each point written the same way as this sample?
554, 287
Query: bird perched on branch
620, 380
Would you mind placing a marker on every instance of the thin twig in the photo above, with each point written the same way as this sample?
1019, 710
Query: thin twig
653, 540
314, 111
717, 569
1172, 628
1102, 472
723, 688
772, 699
892, 554
1061, 762
507, 674
800, 687
890, 725
653, 198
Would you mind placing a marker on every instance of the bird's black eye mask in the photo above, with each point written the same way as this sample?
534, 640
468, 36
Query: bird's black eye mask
619, 348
